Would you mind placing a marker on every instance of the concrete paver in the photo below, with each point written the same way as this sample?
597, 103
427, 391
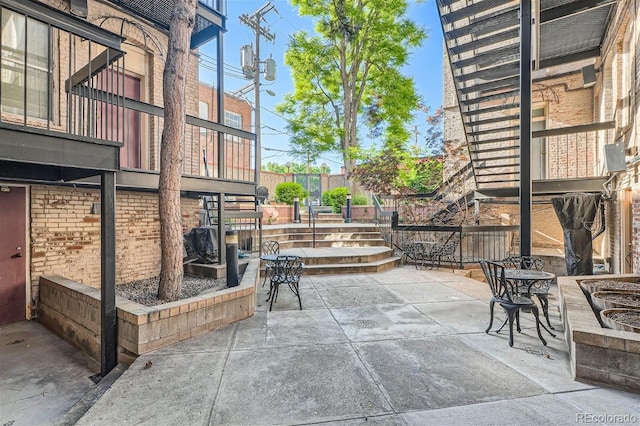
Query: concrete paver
401, 347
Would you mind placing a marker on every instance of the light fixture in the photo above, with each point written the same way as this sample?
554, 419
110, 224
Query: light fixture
270, 92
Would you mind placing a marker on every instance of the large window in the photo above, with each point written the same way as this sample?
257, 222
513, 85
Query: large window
25, 65
234, 120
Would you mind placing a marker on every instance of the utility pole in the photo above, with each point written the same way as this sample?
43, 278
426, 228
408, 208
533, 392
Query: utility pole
254, 22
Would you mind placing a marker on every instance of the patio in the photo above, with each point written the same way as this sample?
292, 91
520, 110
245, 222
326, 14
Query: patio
396, 347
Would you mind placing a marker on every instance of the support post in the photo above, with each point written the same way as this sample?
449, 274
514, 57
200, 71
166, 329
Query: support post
296, 210
108, 316
231, 244
525, 127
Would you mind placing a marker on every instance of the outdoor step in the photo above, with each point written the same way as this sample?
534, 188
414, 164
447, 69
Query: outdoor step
324, 236
332, 243
345, 258
352, 268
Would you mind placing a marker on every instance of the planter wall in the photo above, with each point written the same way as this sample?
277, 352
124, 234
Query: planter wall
276, 213
72, 310
360, 213
599, 355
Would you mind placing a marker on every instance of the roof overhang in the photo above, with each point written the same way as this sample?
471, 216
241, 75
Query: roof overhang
209, 21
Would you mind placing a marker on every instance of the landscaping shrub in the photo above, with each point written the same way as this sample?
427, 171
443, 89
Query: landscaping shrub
336, 198
287, 191
359, 200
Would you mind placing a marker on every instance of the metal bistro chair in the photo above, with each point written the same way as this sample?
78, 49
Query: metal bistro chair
269, 247
505, 297
443, 253
539, 288
287, 270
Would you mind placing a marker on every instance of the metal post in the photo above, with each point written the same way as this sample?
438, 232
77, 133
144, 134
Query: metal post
348, 218
231, 244
108, 316
525, 127
256, 112
296, 210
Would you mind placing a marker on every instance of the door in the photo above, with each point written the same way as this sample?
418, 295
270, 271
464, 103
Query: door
12, 254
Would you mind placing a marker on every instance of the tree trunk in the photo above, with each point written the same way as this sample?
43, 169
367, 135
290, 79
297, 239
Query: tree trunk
171, 152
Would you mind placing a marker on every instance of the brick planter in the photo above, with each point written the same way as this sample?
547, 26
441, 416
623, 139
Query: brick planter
599, 355
72, 310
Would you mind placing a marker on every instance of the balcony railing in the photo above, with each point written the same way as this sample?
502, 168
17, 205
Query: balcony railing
69, 79
572, 152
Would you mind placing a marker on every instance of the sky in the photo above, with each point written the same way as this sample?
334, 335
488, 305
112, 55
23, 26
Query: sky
425, 65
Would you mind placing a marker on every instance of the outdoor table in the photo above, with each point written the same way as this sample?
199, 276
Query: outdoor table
527, 276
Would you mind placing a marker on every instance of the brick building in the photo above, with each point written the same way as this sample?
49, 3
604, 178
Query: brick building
80, 130
584, 123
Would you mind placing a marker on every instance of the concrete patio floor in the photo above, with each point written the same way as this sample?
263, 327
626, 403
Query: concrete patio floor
392, 348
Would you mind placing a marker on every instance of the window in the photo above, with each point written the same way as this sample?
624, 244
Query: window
203, 112
25, 65
233, 119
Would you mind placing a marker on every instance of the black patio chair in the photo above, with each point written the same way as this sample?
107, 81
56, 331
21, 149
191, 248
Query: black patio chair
287, 270
443, 252
269, 247
539, 288
511, 302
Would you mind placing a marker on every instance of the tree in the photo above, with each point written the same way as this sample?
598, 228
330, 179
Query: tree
171, 154
397, 170
349, 73
294, 168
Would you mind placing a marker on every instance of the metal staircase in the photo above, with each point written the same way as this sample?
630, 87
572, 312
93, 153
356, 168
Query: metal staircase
482, 39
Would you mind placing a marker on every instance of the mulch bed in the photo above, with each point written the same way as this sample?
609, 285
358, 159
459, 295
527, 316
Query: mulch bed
608, 285
627, 299
630, 318
145, 292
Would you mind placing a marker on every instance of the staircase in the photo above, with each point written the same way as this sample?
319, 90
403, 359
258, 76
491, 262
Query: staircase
339, 248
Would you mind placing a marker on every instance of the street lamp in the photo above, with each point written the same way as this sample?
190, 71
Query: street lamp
288, 168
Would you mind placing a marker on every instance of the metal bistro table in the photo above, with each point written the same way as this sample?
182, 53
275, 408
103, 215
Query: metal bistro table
286, 270
528, 277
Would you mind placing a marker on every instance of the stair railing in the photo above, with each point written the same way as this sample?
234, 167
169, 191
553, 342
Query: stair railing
312, 216
383, 220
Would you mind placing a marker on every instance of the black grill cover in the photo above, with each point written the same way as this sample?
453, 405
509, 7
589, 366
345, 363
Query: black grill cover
201, 244
576, 213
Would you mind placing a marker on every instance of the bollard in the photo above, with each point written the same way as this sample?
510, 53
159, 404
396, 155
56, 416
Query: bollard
348, 218
231, 243
296, 210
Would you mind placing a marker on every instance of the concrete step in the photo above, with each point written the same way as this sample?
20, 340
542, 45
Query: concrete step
324, 236
352, 268
285, 244
323, 261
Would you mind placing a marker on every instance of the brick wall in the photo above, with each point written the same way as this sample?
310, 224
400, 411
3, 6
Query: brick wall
238, 152
65, 234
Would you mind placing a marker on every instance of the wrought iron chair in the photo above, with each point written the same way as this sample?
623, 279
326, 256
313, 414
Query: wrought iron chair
287, 270
269, 247
443, 253
511, 302
539, 288
415, 252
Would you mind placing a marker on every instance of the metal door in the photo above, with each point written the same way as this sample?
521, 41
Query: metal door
12, 254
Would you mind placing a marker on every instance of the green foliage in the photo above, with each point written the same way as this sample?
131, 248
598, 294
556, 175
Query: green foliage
294, 168
349, 72
287, 191
336, 198
360, 200
396, 170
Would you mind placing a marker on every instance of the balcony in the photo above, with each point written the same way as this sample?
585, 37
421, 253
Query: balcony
67, 112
